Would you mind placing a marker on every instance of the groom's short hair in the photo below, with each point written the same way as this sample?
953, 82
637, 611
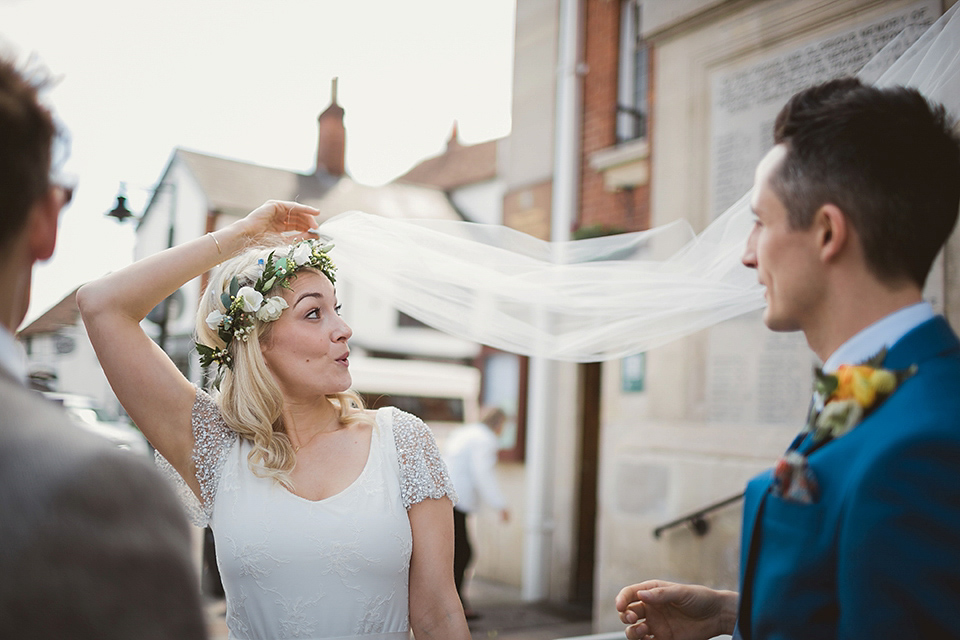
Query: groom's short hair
887, 158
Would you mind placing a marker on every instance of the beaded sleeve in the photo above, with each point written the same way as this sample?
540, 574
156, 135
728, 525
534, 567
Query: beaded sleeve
423, 474
212, 440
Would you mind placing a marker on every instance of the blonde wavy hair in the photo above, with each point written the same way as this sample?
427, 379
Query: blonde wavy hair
250, 400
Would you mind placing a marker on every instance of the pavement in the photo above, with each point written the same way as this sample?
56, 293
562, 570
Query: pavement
502, 615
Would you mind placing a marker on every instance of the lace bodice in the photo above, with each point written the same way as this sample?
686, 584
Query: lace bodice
333, 568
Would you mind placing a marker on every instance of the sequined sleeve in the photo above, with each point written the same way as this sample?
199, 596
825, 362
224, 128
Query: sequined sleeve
212, 440
423, 474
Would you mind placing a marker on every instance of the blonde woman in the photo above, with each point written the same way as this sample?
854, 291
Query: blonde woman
330, 521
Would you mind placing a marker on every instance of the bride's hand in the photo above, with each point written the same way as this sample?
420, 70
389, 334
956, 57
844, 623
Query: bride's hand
279, 216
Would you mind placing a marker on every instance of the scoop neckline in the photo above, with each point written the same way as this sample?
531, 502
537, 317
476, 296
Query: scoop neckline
375, 433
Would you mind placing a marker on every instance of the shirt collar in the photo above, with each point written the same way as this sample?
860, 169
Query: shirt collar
12, 356
880, 335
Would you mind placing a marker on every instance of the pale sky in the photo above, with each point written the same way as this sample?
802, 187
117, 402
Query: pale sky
246, 79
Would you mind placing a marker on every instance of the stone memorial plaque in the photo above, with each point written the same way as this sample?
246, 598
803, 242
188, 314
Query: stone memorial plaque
757, 376
746, 100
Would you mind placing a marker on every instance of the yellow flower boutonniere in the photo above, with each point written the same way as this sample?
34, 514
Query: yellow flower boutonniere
843, 399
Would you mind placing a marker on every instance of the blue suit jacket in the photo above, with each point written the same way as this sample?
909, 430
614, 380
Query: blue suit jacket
878, 554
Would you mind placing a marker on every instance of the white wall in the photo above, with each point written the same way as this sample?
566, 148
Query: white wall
526, 156
481, 202
78, 371
375, 327
499, 547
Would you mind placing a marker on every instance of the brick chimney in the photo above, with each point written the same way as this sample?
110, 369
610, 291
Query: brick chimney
331, 141
454, 140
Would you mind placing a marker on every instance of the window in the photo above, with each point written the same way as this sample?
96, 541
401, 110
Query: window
632, 106
505, 386
403, 320
426, 408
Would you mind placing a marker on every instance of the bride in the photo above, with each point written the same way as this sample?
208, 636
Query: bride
330, 521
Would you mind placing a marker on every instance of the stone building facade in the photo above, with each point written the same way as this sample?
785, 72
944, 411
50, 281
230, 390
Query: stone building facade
721, 405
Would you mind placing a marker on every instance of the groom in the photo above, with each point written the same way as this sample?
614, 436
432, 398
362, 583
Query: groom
856, 534
93, 544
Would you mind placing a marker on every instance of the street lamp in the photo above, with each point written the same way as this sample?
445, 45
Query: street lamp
121, 212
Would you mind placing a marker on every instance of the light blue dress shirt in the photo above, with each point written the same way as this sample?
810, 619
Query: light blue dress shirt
880, 335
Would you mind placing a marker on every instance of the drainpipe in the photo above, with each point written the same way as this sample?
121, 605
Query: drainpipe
542, 414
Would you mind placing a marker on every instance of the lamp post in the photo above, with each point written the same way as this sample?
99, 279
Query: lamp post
161, 314
121, 212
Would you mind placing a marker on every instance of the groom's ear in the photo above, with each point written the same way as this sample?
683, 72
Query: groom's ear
833, 231
42, 222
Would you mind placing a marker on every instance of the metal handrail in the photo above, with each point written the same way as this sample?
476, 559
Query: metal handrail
695, 519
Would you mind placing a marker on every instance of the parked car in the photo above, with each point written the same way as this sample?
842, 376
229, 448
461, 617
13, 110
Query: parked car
89, 415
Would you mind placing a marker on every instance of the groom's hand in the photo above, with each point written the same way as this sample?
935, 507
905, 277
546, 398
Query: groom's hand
671, 611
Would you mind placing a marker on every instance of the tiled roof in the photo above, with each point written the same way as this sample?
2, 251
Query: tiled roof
65, 313
234, 188
458, 166
391, 200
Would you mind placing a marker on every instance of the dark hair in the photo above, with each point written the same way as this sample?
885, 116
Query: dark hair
493, 417
27, 133
886, 157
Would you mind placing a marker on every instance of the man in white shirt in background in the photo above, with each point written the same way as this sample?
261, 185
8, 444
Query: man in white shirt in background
471, 457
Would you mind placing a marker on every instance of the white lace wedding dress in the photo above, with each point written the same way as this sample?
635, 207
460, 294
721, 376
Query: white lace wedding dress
295, 568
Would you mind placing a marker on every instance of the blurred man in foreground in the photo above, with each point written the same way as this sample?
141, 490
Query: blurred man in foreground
93, 545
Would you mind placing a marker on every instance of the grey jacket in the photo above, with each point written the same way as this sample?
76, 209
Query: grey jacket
93, 544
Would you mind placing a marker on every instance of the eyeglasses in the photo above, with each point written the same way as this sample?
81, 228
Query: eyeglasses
64, 181
66, 185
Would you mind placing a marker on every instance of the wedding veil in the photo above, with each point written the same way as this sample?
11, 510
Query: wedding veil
601, 298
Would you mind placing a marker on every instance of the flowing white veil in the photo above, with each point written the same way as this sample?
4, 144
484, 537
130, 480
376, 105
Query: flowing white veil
602, 298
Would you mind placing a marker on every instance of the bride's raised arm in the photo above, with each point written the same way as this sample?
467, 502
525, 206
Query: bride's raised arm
154, 393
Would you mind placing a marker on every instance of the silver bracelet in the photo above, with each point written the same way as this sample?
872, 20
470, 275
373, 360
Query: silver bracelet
210, 233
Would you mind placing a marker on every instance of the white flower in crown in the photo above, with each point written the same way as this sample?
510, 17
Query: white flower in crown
214, 318
302, 253
271, 309
250, 299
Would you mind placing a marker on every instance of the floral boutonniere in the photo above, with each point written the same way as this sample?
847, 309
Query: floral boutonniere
843, 399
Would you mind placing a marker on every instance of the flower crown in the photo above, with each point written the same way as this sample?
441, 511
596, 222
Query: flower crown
243, 304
